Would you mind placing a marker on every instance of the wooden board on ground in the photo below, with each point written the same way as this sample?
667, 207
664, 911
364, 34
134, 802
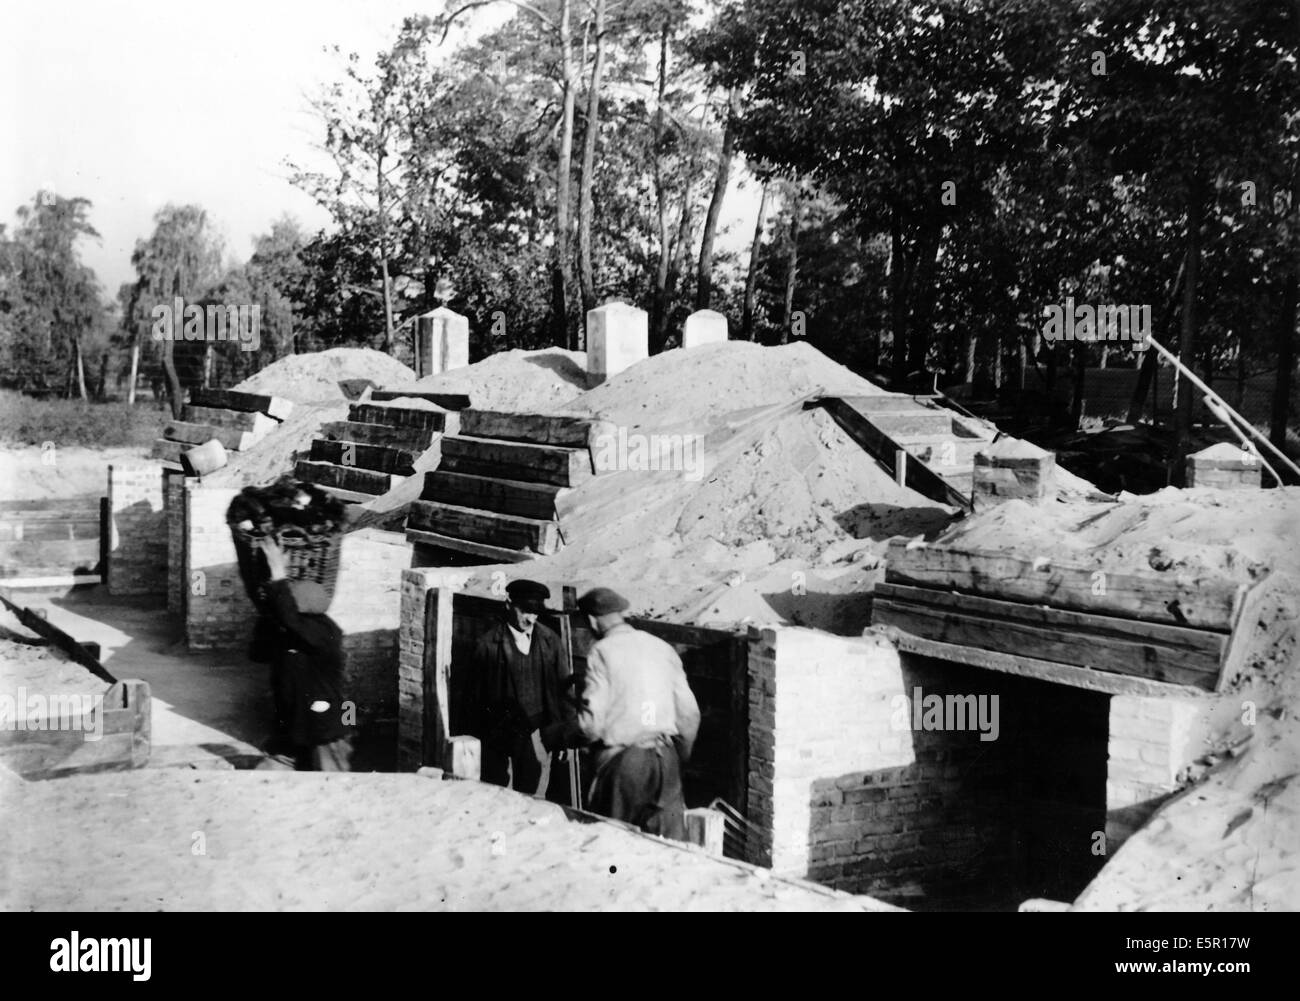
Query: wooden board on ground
238, 420
493, 554
1172, 654
504, 530
115, 735
380, 458
227, 399
1170, 598
448, 401
916, 475
526, 500
516, 460
199, 434
416, 439
1249, 617
572, 431
43, 627
406, 417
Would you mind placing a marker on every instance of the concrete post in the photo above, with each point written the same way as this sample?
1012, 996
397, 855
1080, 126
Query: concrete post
441, 342
1226, 466
1013, 469
704, 326
618, 336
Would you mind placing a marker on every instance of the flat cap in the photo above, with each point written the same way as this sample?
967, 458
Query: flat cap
602, 601
528, 595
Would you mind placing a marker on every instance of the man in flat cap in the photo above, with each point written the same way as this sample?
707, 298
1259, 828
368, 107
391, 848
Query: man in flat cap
641, 717
520, 711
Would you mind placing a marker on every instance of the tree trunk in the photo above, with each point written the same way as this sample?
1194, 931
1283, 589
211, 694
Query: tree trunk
561, 266
1080, 375
80, 369
681, 244
135, 367
751, 279
897, 300
968, 368
1286, 336
1187, 334
207, 366
924, 292
791, 268
388, 304
659, 303
174, 393
997, 364
1239, 390
586, 274
1147, 369
704, 275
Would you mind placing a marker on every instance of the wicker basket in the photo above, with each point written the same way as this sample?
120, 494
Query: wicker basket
309, 554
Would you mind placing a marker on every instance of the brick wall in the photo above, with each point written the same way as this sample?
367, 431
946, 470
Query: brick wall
137, 548
843, 790
1152, 739
174, 512
218, 612
415, 586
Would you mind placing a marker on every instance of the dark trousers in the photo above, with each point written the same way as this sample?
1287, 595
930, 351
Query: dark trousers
643, 786
336, 756
518, 767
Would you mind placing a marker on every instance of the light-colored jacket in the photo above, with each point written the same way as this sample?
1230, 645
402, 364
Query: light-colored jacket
636, 692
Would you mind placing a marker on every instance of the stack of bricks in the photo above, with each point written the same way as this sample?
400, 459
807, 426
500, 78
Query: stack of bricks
174, 509
840, 793
1224, 466
1152, 740
1011, 469
137, 551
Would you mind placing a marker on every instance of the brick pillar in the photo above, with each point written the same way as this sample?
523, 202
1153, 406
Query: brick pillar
137, 548
441, 342
1152, 739
218, 612
1228, 467
174, 506
618, 336
1012, 469
410, 668
704, 326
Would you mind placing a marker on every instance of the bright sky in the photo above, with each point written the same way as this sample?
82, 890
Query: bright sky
136, 103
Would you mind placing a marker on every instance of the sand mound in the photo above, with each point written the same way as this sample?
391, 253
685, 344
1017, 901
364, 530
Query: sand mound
315, 377
273, 456
1238, 534
702, 383
526, 381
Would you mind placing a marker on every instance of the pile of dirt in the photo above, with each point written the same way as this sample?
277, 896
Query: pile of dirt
273, 456
315, 377
521, 381
1237, 534
698, 384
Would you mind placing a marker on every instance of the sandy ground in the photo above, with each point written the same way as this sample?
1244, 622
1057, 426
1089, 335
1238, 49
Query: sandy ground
32, 473
526, 381
175, 840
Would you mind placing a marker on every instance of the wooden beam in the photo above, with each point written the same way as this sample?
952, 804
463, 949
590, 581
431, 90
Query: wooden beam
505, 530
198, 434
1029, 667
492, 554
526, 500
379, 458
883, 449
43, 627
573, 431
448, 401
237, 420
1252, 614
437, 675
404, 417
1124, 646
227, 399
348, 477
416, 439
1201, 602
526, 461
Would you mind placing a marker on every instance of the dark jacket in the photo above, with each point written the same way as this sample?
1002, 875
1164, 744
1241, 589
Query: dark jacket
505, 700
309, 669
